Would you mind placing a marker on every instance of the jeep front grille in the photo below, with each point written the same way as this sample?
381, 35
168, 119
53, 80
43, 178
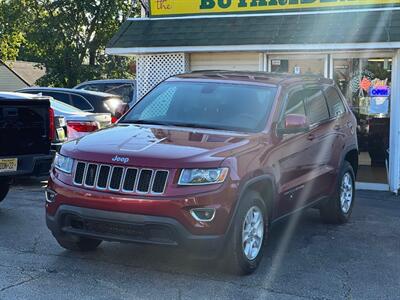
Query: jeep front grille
121, 179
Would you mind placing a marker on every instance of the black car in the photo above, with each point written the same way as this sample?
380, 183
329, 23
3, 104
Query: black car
27, 129
126, 88
89, 101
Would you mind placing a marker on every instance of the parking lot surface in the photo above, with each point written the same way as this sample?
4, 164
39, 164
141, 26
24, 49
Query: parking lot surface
304, 259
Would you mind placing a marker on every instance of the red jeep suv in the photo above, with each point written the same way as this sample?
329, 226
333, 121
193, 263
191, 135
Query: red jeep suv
208, 161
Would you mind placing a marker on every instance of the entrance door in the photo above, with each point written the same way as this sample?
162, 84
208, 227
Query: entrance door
366, 84
299, 64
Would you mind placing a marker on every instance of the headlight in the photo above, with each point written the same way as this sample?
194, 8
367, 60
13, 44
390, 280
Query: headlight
63, 163
202, 176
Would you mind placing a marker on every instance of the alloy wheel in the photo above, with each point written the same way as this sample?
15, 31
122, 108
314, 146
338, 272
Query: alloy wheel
346, 192
252, 232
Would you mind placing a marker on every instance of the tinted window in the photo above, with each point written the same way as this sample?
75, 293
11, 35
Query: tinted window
205, 105
295, 103
316, 106
81, 103
335, 104
63, 97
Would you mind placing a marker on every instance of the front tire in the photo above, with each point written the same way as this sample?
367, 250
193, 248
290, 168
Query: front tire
338, 209
250, 230
4, 188
78, 243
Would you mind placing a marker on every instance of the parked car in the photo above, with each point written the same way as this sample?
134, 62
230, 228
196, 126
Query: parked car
126, 88
78, 122
208, 161
26, 132
88, 101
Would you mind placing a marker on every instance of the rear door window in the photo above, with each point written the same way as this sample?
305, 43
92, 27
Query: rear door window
81, 103
317, 110
63, 97
335, 103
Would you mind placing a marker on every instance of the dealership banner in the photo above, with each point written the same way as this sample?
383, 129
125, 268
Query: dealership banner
160, 8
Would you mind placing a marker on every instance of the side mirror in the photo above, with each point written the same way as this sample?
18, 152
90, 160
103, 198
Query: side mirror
293, 123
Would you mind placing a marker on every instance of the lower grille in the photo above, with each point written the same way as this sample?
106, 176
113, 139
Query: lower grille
155, 233
124, 179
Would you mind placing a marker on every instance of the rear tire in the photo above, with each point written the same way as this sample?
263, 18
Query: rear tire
78, 243
250, 230
4, 188
339, 207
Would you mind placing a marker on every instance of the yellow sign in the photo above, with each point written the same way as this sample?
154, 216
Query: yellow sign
159, 8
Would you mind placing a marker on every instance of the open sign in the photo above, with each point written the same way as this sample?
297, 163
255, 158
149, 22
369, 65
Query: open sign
379, 91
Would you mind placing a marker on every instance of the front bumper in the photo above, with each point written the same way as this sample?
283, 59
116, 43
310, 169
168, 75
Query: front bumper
133, 228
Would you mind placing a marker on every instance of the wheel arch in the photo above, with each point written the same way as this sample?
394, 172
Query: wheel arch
265, 186
351, 156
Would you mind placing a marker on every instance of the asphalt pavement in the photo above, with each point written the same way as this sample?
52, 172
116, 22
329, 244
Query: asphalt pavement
304, 259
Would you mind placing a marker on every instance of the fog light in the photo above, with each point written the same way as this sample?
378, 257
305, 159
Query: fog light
50, 196
203, 214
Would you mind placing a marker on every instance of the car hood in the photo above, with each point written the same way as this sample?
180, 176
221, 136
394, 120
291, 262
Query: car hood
149, 146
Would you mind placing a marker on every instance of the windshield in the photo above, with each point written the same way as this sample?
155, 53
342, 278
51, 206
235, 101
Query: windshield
236, 107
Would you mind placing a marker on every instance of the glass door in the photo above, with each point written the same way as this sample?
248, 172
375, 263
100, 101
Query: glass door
366, 82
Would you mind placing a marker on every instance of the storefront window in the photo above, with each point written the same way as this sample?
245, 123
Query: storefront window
366, 84
298, 66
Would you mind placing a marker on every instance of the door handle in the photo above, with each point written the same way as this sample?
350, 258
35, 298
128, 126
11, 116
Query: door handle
337, 127
310, 137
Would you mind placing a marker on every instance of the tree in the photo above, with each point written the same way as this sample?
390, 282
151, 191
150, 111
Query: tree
12, 21
68, 37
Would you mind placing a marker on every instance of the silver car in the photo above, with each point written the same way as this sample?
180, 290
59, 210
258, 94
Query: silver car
79, 122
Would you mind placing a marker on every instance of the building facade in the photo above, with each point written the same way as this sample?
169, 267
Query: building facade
356, 43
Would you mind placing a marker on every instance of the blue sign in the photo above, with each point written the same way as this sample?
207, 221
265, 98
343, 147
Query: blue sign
379, 105
379, 91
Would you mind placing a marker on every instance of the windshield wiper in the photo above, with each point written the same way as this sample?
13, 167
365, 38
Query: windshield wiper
179, 124
193, 125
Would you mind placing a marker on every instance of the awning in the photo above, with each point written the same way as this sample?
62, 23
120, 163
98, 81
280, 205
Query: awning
312, 31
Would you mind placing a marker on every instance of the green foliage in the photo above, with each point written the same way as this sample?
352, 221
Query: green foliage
68, 37
12, 27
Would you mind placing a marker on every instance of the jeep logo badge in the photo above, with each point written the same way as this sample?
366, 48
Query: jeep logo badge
120, 159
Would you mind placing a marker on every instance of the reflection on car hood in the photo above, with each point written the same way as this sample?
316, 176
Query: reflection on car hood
158, 146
